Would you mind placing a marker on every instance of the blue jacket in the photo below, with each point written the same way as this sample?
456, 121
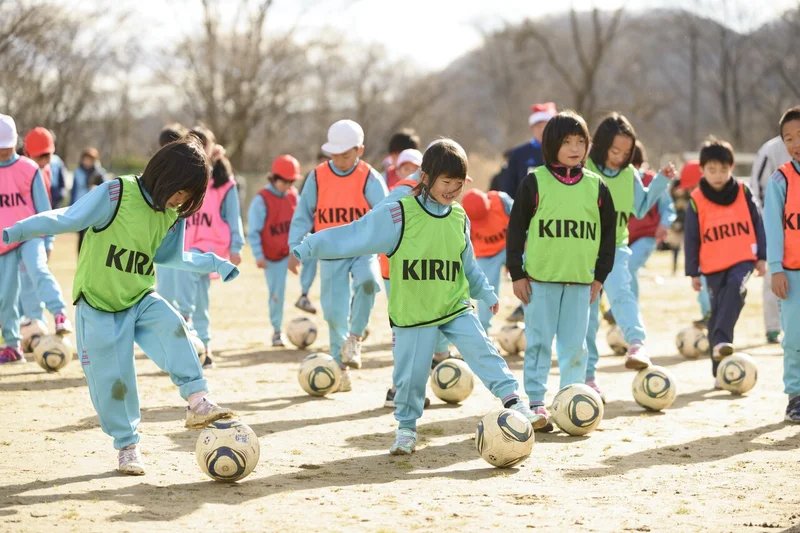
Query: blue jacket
521, 159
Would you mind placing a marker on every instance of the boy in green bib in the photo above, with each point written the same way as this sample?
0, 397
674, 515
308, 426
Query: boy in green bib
133, 223
434, 274
562, 224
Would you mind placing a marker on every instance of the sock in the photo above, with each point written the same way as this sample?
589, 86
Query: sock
412, 425
196, 398
510, 400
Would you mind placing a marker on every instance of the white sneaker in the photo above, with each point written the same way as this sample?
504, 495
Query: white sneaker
351, 352
206, 412
405, 442
637, 358
304, 304
130, 461
721, 351
345, 385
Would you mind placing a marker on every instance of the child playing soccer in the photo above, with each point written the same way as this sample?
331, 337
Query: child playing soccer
488, 219
782, 224
268, 220
610, 157
133, 223
724, 241
433, 274
336, 193
563, 221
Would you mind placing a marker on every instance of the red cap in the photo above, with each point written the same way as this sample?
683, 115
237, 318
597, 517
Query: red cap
476, 204
39, 141
286, 167
690, 175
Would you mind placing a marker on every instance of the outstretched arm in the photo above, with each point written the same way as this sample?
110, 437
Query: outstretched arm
170, 253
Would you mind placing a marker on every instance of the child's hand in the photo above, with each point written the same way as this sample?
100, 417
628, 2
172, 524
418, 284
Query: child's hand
594, 291
696, 283
294, 263
669, 171
261, 263
661, 233
780, 285
761, 268
236, 259
522, 290
494, 308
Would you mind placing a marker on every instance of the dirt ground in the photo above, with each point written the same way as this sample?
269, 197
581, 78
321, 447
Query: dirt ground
713, 462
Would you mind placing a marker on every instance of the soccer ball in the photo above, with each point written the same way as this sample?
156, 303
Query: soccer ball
199, 347
53, 352
692, 342
452, 380
654, 388
31, 331
616, 340
227, 450
512, 338
577, 409
319, 374
302, 332
504, 438
737, 373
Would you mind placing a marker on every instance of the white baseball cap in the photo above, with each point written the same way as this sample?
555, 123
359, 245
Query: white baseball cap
8, 132
409, 155
342, 136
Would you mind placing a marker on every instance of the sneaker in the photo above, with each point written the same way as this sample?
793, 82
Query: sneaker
351, 352
9, 354
701, 323
541, 422
721, 351
130, 461
609, 317
365, 335
439, 357
636, 358
793, 410
208, 362
389, 401
772, 337
518, 315
405, 442
206, 412
345, 385
304, 304
277, 339
63, 325
592, 383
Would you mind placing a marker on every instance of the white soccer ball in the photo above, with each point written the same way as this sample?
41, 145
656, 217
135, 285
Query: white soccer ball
301, 331
227, 450
452, 380
577, 409
691, 342
31, 331
199, 347
616, 340
319, 374
504, 438
512, 338
737, 373
654, 388
53, 352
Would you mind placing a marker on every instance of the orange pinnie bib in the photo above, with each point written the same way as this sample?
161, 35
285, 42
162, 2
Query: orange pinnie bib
791, 218
488, 236
340, 199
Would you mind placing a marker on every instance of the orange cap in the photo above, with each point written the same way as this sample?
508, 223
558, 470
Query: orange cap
286, 167
476, 204
690, 175
39, 141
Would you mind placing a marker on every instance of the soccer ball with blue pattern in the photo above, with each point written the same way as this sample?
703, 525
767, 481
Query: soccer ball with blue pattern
319, 374
692, 342
227, 450
53, 352
616, 340
452, 380
302, 332
577, 409
512, 338
504, 438
654, 388
737, 373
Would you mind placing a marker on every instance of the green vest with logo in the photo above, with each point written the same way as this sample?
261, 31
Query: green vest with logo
429, 286
621, 187
115, 265
564, 232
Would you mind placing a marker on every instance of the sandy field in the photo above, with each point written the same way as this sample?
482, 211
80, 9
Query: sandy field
712, 462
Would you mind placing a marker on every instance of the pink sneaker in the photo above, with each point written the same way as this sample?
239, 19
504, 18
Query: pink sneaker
592, 383
541, 422
9, 354
63, 325
637, 358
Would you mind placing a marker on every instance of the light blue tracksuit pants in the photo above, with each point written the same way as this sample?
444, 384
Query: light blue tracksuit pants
492, 267
413, 348
346, 304
307, 275
624, 305
703, 298
192, 300
641, 250
38, 287
9, 296
790, 313
105, 347
275, 274
555, 310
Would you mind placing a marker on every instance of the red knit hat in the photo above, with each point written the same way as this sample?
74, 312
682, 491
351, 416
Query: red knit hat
690, 175
542, 112
39, 141
476, 204
286, 167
